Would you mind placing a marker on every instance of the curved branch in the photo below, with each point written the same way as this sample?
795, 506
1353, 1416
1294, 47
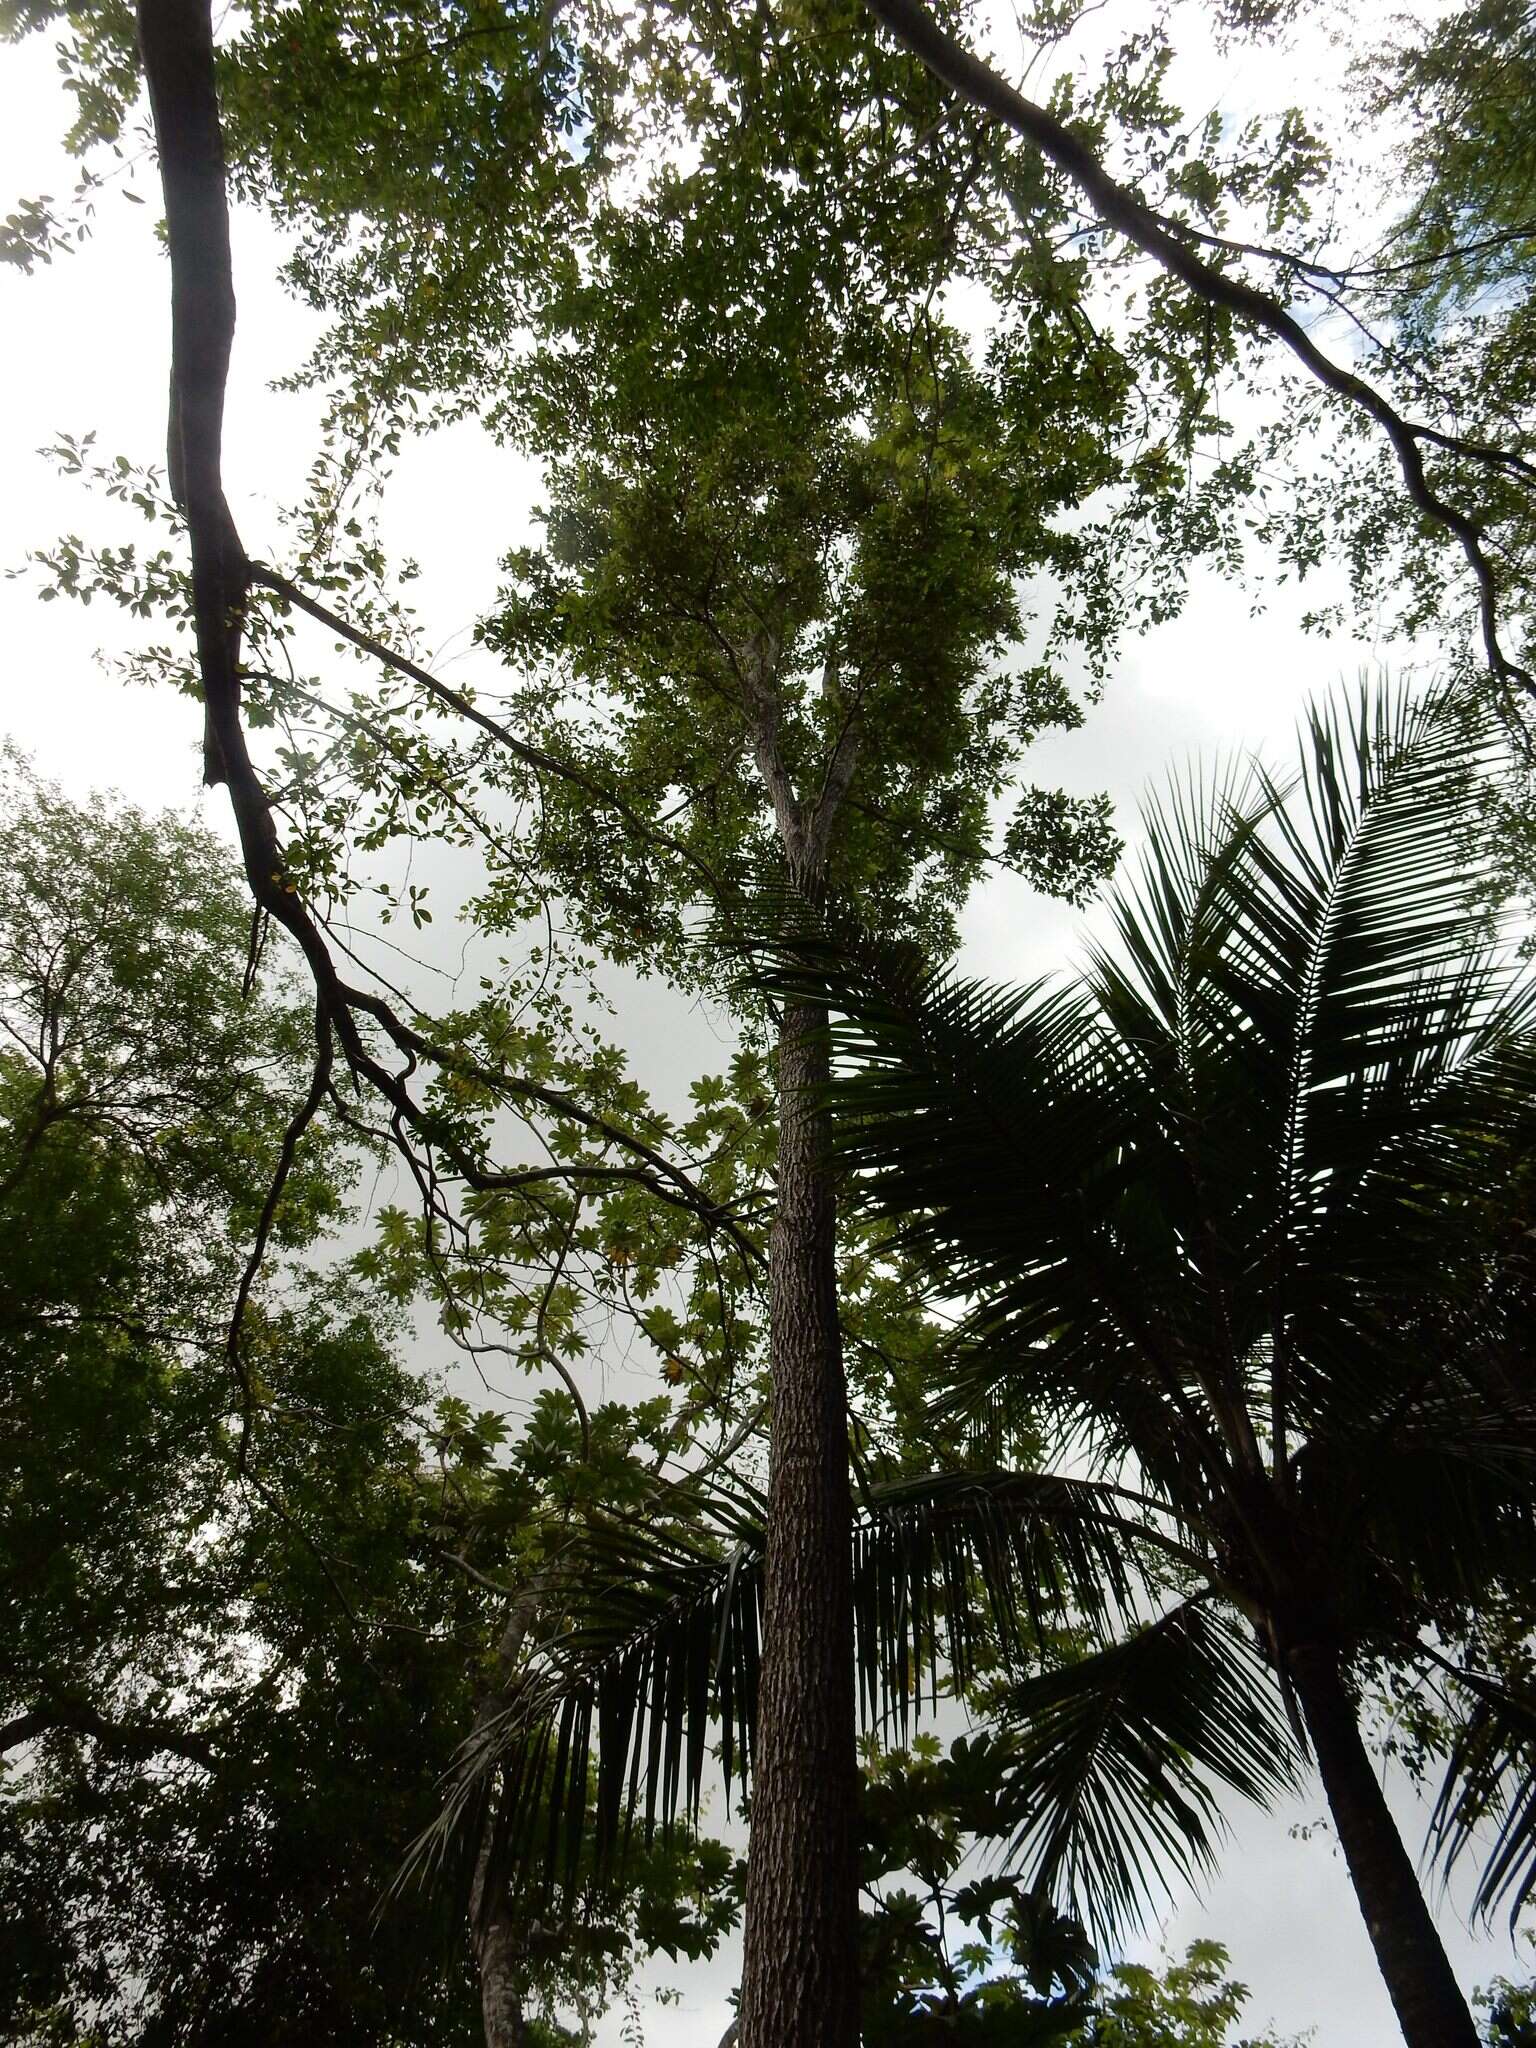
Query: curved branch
465, 707
127, 1738
176, 43
293, 1136
1119, 208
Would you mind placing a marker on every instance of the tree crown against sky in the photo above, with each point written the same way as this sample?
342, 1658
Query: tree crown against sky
459, 186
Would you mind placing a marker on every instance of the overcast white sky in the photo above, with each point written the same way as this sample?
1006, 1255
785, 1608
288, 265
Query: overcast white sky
84, 345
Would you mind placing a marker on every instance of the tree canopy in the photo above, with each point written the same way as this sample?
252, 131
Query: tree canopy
879, 389
245, 1590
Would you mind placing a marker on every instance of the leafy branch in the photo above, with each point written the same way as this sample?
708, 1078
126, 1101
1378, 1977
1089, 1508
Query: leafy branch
1168, 244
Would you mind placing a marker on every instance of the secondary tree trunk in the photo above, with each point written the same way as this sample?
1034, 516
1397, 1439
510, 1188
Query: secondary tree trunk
1430, 2006
501, 2004
800, 1966
495, 1934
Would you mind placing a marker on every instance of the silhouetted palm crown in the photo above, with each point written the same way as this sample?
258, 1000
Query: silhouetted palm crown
1225, 1210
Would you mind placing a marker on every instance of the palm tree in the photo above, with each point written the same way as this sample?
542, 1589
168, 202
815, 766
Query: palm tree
1221, 1210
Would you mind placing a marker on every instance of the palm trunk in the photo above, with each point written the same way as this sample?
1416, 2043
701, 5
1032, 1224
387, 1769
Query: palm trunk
800, 1966
1430, 2006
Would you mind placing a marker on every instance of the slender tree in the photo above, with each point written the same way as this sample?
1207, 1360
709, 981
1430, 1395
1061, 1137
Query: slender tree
802, 561
780, 561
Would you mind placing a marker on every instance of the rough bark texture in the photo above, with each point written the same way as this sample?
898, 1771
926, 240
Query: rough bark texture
800, 1975
501, 2005
1430, 2006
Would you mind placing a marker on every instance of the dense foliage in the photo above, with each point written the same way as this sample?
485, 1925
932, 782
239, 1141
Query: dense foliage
875, 403
239, 1651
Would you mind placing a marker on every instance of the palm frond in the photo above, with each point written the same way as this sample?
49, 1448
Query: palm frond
1490, 1783
961, 1568
1120, 1757
1260, 1127
1429, 1509
1025, 1157
610, 1730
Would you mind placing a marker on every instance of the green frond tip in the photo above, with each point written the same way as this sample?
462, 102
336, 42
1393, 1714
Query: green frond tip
1119, 1758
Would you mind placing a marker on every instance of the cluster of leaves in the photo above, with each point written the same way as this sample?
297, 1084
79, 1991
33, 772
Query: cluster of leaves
686, 210
1425, 281
958, 1948
950, 1955
246, 1575
1509, 2013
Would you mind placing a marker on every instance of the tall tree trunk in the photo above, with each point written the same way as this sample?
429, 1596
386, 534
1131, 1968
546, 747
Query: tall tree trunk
800, 1967
1430, 2006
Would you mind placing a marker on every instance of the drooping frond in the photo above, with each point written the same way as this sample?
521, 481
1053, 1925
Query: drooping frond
991, 1561
1121, 1756
611, 1728
608, 1725
1490, 1784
